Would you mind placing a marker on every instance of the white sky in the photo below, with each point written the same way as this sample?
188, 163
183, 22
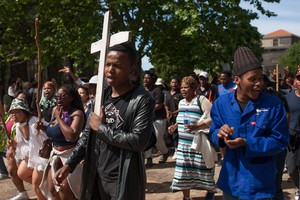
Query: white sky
288, 18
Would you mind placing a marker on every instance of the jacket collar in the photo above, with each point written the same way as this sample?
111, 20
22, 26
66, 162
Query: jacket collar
251, 105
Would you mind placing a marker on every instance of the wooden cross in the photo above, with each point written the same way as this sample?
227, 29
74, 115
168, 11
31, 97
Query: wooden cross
102, 46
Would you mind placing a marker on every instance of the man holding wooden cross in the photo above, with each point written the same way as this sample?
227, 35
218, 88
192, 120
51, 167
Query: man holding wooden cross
114, 140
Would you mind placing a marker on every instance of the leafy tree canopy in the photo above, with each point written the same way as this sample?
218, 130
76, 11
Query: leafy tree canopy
292, 57
178, 36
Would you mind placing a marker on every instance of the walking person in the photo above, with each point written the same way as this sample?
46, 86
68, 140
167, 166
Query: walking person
172, 101
3, 169
159, 118
268, 84
121, 133
12, 163
3, 135
191, 171
205, 87
3, 139
24, 149
226, 84
83, 92
48, 101
67, 122
253, 128
293, 155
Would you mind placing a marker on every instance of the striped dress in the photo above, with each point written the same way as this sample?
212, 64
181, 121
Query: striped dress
190, 170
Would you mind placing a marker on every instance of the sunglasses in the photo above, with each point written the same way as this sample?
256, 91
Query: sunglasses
62, 96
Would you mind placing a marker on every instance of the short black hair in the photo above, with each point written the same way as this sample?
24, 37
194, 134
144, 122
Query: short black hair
151, 74
228, 73
195, 76
125, 48
176, 77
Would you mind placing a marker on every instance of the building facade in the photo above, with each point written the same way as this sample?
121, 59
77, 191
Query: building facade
275, 45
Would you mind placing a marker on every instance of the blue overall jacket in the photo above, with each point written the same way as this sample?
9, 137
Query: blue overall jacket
248, 172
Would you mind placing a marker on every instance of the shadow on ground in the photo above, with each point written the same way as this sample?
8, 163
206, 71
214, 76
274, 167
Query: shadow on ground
162, 165
163, 187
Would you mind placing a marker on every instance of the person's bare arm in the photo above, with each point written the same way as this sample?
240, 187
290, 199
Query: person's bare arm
67, 70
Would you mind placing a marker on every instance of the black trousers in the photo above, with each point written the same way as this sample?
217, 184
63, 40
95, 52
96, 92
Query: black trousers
104, 190
293, 165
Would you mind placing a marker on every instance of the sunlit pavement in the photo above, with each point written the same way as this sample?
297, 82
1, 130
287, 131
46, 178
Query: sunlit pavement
159, 178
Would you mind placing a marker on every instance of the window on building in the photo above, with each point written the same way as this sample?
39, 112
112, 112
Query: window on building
275, 42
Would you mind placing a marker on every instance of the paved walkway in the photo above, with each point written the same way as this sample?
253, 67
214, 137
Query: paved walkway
159, 179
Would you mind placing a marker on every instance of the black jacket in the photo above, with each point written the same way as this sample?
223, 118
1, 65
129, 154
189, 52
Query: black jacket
132, 141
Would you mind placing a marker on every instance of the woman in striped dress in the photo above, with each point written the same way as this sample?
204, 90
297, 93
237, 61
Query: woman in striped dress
190, 170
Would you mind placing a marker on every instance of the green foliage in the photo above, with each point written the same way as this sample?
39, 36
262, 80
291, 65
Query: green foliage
178, 36
66, 29
201, 35
292, 57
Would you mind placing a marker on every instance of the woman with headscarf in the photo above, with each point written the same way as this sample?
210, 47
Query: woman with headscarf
48, 101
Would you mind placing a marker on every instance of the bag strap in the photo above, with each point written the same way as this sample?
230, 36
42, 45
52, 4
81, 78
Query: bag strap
199, 101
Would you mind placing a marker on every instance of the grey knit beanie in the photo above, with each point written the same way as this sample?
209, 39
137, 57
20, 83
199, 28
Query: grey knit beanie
244, 61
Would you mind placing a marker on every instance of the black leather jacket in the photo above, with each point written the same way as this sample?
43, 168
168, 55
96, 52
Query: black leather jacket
132, 141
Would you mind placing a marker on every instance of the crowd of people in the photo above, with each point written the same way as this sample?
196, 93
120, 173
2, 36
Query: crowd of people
104, 155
